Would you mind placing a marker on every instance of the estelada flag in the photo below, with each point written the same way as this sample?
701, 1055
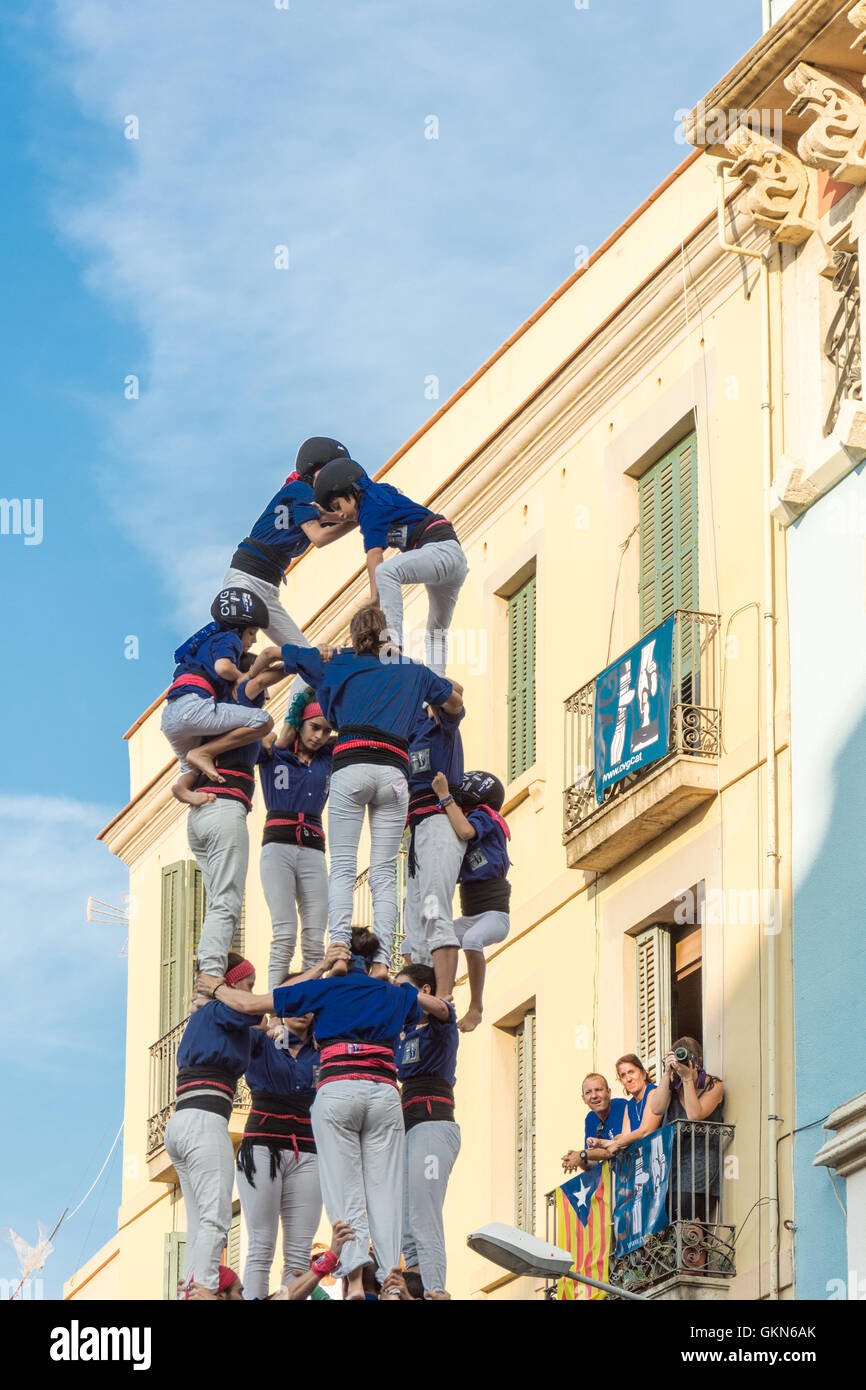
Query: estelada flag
583, 1227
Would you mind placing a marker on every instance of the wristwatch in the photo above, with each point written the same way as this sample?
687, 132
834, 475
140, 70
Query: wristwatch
583, 1157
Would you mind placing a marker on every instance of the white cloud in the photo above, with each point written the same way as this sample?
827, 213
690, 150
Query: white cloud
261, 127
50, 862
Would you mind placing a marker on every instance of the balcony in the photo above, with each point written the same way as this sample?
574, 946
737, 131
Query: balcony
163, 1079
648, 801
693, 1256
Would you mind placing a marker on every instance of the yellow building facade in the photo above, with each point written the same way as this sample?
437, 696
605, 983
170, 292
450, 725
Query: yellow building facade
608, 467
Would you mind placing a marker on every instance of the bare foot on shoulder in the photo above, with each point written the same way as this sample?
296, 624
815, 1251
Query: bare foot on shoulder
339, 968
378, 971
195, 798
203, 762
470, 1020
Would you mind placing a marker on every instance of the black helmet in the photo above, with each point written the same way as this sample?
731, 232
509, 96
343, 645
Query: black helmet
239, 608
316, 452
481, 789
339, 475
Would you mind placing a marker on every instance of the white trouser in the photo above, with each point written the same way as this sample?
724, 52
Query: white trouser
355, 789
199, 1146
190, 720
428, 913
482, 929
294, 1197
431, 1152
358, 1127
441, 567
281, 627
219, 839
294, 874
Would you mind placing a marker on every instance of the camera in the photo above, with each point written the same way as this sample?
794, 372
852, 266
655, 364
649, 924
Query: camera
682, 1054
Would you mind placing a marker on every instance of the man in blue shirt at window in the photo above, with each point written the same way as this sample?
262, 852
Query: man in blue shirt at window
605, 1120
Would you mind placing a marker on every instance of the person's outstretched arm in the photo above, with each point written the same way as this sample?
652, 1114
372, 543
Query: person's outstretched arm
303, 1284
319, 535
460, 824
374, 560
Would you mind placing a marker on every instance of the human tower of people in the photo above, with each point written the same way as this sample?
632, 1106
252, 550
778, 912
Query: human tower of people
351, 1073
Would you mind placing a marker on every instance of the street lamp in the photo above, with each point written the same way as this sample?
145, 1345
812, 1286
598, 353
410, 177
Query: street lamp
522, 1253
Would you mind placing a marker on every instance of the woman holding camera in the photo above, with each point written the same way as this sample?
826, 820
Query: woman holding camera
687, 1092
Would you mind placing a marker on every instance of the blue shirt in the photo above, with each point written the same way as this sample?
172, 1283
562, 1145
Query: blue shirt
435, 748
429, 1049
635, 1109
248, 754
273, 1068
351, 689
198, 657
354, 1007
613, 1125
280, 523
486, 856
386, 517
217, 1036
290, 785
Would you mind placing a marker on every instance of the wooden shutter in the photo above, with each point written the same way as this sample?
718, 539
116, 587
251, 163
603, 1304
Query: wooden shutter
524, 1124
175, 1253
653, 996
668, 513
521, 679
173, 991
196, 907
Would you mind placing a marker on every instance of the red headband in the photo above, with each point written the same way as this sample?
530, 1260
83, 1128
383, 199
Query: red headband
292, 478
240, 972
227, 1277
312, 711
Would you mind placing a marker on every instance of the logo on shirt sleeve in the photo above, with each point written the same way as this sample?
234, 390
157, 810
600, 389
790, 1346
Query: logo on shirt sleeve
412, 1050
398, 536
476, 859
419, 761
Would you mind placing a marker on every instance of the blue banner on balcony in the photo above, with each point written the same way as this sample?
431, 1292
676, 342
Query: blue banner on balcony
633, 708
640, 1190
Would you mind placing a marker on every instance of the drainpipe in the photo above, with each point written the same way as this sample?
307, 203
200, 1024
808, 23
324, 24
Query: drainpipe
769, 926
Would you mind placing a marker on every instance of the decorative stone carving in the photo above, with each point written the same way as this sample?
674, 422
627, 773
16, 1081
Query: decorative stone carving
778, 184
857, 17
836, 140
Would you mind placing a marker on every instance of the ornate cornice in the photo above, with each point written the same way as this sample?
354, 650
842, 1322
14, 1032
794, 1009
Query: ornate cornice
778, 185
836, 139
857, 17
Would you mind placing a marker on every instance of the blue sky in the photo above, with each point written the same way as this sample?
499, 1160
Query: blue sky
154, 257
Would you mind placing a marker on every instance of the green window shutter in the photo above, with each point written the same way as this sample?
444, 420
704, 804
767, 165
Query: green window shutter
173, 947
524, 1123
668, 514
653, 997
521, 679
196, 906
175, 1252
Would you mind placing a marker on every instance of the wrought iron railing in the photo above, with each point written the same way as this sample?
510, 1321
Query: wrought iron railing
362, 909
696, 1241
163, 1079
695, 718
842, 343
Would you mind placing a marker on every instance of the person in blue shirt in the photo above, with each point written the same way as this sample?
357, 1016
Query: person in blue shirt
289, 524
426, 1058
435, 849
640, 1119
213, 1055
277, 1166
295, 773
429, 551
357, 1118
201, 719
485, 893
605, 1120
373, 695
218, 836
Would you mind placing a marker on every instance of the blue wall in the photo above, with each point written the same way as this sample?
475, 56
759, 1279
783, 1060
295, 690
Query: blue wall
827, 607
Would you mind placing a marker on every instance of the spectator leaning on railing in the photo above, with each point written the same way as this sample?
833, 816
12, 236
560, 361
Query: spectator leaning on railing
642, 1119
605, 1121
